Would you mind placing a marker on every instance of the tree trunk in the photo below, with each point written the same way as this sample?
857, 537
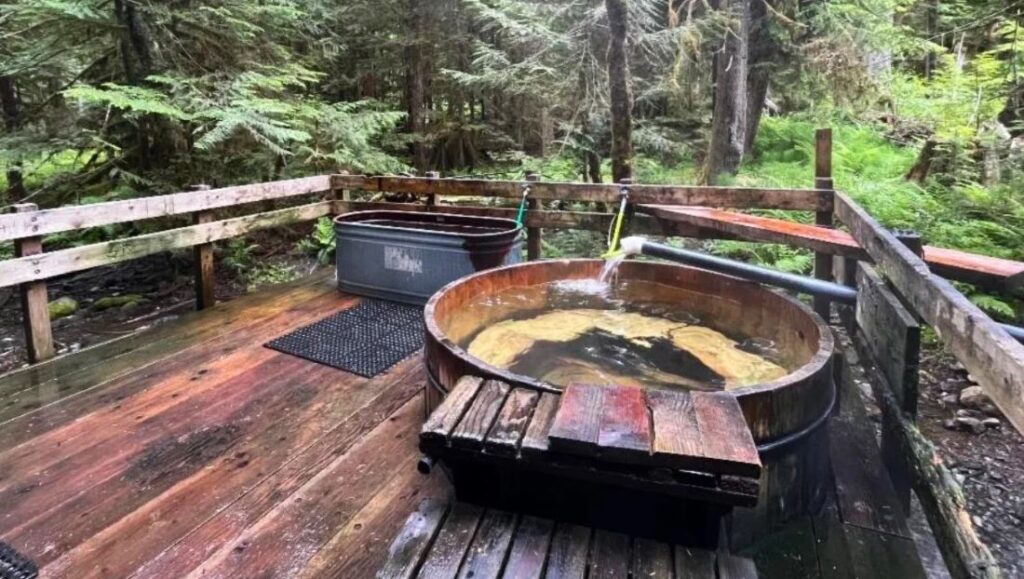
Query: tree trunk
762, 53
415, 85
11, 107
621, 91
729, 122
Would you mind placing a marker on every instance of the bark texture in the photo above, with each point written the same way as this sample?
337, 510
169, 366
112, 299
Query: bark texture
621, 90
729, 122
416, 83
762, 51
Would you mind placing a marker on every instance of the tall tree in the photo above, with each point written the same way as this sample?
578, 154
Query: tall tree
729, 119
621, 91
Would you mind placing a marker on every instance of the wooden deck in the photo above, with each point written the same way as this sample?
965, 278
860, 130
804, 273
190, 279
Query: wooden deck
192, 450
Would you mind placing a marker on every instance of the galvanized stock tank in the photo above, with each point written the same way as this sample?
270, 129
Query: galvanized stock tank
406, 256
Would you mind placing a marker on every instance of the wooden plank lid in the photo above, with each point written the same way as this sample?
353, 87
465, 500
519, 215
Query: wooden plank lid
699, 431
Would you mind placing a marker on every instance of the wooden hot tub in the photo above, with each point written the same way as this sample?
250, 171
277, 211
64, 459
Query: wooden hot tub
787, 416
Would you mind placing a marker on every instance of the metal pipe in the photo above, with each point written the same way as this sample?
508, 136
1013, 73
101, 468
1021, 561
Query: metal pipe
790, 281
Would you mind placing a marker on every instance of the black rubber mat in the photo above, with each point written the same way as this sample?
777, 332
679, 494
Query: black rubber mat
364, 340
14, 565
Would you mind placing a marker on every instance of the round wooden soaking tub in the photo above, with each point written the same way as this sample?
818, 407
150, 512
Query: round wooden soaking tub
787, 416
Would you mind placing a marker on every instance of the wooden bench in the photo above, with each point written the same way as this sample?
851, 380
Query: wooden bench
466, 540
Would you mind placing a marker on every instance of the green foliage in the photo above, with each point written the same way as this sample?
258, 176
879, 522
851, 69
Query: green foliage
321, 242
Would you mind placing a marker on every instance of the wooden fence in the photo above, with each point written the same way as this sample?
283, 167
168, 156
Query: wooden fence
986, 350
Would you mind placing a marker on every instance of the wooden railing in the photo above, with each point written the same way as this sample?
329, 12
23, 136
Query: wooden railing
985, 349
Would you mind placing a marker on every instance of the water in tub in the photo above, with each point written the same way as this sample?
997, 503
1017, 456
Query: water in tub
607, 331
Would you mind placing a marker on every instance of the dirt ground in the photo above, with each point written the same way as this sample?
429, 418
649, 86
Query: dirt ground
989, 465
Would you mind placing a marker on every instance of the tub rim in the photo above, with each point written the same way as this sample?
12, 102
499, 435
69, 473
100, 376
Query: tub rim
818, 361
507, 227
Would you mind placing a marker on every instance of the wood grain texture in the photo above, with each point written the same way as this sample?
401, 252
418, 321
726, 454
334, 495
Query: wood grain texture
693, 563
510, 425
529, 551
609, 555
535, 440
725, 434
449, 549
625, 431
577, 423
445, 417
994, 358
675, 426
410, 546
202, 256
490, 545
733, 567
35, 312
477, 421
74, 217
46, 265
568, 556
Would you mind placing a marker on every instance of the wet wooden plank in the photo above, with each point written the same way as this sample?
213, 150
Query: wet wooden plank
693, 563
476, 422
270, 465
724, 432
625, 432
445, 417
510, 425
568, 556
577, 423
449, 549
675, 426
651, 559
864, 492
529, 550
875, 555
535, 440
490, 545
609, 555
788, 552
410, 546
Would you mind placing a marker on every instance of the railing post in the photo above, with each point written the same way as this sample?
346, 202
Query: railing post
203, 258
35, 310
432, 197
823, 181
533, 244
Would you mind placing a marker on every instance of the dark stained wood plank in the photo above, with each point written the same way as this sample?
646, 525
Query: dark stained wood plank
577, 423
445, 417
609, 555
476, 422
892, 334
490, 545
408, 549
734, 567
449, 549
865, 494
651, 559
535, 440
202, 257
529, 550
875, 555
625, 432
788, 552
675, 426
725, 434
510, 425
568, 556
693, 563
